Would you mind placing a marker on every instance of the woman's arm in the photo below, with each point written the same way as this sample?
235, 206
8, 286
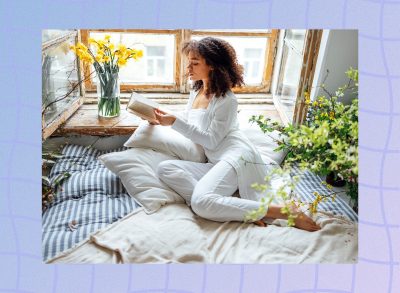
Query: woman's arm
225, 112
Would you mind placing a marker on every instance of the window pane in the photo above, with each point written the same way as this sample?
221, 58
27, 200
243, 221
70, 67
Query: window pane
48, 35
252, 53
59, 76
155, 47
249, 49
255, 68
296, 39
155, 51
290, 69
160, 68
150, 67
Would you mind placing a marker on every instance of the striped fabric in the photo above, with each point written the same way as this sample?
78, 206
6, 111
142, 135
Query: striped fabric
90, 199
309, 182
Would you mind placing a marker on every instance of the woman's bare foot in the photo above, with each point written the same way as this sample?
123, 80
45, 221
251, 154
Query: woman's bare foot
260, 223
304, 222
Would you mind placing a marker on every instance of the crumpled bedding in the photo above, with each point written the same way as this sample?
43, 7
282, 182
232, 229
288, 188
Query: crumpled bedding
176, 235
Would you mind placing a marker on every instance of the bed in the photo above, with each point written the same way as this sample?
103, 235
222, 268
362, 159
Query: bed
113, 209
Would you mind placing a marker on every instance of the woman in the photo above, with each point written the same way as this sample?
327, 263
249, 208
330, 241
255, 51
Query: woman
210, 120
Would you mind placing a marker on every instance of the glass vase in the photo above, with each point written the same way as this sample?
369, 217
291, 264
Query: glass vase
108, 95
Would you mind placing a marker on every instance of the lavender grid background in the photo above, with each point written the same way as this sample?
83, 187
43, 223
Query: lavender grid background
21, 23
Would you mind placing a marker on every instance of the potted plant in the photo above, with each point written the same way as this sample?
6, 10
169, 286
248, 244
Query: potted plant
327, 143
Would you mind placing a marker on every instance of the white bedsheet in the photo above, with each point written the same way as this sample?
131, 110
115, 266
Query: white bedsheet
175, 235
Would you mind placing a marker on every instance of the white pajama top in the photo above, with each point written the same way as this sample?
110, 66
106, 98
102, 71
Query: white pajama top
217, 130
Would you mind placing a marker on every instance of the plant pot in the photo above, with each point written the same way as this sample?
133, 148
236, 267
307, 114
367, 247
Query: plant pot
333, 180
108, 95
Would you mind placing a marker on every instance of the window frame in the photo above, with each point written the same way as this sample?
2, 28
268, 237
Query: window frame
269, 58
48, 128
91, 87
180, 84
310, 55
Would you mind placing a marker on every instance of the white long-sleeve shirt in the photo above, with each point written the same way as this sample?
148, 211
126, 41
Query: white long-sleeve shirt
218, 132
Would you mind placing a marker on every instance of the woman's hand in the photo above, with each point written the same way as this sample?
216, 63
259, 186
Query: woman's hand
164, 118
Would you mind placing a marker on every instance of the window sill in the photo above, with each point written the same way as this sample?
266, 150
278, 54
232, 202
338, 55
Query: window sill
85, 120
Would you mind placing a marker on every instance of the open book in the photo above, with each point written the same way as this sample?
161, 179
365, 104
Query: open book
142, 107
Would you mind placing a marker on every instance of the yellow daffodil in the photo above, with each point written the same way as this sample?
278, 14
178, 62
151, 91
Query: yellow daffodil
307, 98
99, 58
81, 46
121, 62
100, 43
103, 51
122, 48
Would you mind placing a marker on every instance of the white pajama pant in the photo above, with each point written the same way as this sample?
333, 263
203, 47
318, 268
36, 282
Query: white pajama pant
207, 188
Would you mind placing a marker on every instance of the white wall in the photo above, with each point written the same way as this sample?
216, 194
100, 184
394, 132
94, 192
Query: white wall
338, 52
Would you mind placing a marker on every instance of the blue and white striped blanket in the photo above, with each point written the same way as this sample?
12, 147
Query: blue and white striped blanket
89, 200
309, 183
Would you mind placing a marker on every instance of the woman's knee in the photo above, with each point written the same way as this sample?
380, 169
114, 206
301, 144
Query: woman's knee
202, 203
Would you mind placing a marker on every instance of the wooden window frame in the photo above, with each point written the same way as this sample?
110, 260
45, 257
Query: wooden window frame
270, 55
49, 128
181, 36
310, 56
91, 87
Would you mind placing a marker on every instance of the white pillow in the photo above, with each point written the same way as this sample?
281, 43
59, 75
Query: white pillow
265, 144
166, 140
137, 169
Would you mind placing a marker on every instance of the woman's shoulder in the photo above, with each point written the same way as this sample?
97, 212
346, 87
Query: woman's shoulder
228, 98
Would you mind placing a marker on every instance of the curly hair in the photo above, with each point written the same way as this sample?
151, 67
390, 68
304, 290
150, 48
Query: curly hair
219, 54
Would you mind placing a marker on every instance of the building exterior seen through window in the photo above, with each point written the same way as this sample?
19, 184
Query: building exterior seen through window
157, 64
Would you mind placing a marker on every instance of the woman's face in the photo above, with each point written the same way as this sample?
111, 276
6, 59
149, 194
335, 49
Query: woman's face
197, 68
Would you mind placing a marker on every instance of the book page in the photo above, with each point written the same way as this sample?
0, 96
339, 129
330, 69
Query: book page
142, 107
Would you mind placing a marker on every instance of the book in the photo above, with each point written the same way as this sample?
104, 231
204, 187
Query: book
142, 107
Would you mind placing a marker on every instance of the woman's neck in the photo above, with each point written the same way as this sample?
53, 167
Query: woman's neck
205, 89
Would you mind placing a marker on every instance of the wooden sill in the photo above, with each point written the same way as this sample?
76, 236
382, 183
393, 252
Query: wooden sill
85, 120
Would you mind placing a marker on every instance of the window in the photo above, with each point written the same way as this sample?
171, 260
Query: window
290, 68
156, 60
162, 67
255, 51
156, 71
299, 54
252, 65
61, 92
